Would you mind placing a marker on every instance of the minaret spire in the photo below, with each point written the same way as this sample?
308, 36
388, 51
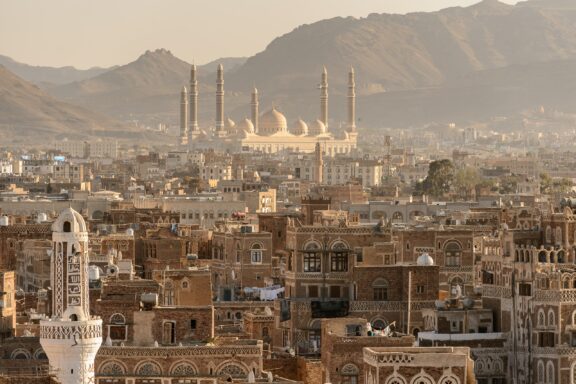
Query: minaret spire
351, 127
324, 98
71, 337
255, 109
193, 103
184, 116
220, 101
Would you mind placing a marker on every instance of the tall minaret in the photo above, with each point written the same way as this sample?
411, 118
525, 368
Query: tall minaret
324, 98
318, 164
351, 127
184, 116
220, 101
193, 103
71, 338
255, 109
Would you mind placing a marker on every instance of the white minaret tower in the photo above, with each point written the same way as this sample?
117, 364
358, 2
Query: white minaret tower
184, 116
193, 103
71, 337
220, 102
351, 126
255, 109
351, 101
324, 98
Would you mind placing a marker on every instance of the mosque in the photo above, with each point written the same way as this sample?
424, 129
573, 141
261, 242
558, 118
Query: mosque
268, 132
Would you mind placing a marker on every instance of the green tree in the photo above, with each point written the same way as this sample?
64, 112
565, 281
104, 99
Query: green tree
466, 181
440, 178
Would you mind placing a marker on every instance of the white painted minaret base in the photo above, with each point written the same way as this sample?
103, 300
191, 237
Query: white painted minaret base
71, 338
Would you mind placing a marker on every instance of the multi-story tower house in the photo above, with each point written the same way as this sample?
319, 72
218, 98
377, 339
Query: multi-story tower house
71, 337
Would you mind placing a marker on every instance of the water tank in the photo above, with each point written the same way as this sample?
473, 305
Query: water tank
4, 221
440, 304
42, 217
130, 232
149, 299
111, 270
93, 272
468, 303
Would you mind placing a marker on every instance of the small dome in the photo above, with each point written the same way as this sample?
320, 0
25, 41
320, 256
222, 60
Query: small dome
425, 260
245, 126
272, 122
69, 220
229, 125
316, 128
299, 128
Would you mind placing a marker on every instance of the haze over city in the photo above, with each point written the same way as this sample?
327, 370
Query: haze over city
107, 33
288, 192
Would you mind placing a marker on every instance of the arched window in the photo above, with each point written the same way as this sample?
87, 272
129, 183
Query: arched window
540, 372
423, 378
395, 378
551, 318
542, 257
312, 258
349, 374
452, 254
558, 236
117, 319
380, 289
183, 369
185, 284
232, 370
149, 368
541, 319
112, 368
456, 285
339, 257
256, 254
550, 373
168, 293
117, 327
67, 227
449, 379
548, 234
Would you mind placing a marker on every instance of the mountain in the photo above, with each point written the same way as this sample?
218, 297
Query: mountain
48, 76
409, 68
147, 88
401, 52
28, 115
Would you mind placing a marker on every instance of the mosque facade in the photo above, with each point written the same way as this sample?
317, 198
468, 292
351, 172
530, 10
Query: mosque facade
268, 132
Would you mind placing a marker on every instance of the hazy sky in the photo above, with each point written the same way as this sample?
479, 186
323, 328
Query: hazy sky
87, 33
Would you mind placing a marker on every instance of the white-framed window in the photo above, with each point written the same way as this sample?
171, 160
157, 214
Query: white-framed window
256, 254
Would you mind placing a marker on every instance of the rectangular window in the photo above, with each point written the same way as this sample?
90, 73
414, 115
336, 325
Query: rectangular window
420, 289
525, 289
256, 256
312, 262
339, 262
312, 291
193, 324
380, 293
546, 339
335, 291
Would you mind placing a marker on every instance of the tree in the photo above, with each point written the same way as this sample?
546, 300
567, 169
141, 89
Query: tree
466, 181
440, 178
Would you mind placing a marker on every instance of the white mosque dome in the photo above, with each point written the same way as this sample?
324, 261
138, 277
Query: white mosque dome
245, 126
425, 260
316, 128
299, 128
229, 125
272, 122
